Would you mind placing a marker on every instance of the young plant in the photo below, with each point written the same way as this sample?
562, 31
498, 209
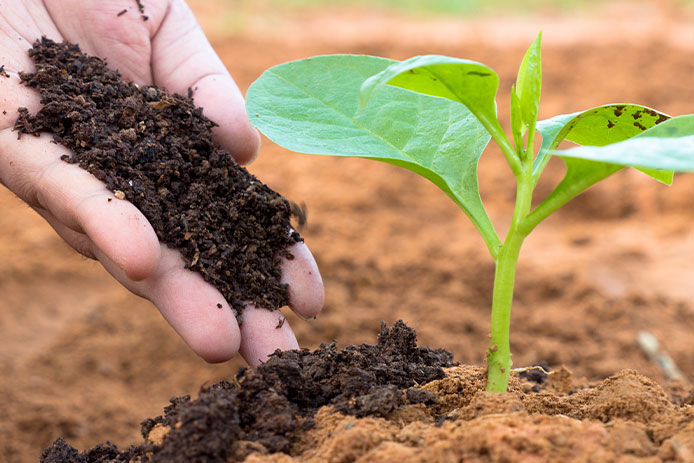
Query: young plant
435, 115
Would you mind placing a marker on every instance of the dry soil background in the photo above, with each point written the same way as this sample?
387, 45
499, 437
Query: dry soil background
83, 359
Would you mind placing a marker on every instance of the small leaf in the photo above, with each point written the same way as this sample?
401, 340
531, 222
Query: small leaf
667, 146
468, 82
529, 82
598, 126
312, 106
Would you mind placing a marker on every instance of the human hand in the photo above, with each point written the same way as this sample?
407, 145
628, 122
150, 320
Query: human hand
171, 51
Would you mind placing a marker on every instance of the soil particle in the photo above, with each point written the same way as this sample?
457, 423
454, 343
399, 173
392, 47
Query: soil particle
122, 12
3, 72
155, 149
420, 396
141, 8
275, 403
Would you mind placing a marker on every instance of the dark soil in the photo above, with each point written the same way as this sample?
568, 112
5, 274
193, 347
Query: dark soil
141, 9
266, 409
155, 149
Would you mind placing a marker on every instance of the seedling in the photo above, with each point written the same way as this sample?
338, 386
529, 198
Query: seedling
435, 115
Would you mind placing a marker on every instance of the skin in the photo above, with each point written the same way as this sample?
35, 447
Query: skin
169, 50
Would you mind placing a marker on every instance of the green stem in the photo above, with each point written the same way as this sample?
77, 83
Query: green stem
530, 146
499, 136
491, 239
574, 183
499, 357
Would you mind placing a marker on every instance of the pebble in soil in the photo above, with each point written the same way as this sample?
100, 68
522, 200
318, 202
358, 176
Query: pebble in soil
155, 149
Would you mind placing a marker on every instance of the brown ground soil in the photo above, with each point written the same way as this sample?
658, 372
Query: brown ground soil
83, 359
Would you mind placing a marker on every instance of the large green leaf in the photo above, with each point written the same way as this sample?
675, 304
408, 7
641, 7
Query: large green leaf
468, 82
312, 106
667, 146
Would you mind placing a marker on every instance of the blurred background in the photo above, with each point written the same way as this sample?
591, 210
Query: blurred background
83, 359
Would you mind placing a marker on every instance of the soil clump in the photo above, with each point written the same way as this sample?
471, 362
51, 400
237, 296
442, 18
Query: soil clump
156, 150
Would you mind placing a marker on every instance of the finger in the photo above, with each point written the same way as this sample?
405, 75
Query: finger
32, 169
195, 309
78, 241
182, 58
262, 332
306, 293
185, 300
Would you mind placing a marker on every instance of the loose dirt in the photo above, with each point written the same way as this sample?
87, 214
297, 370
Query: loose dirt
268, 408
85, 360
393, 402
155, 149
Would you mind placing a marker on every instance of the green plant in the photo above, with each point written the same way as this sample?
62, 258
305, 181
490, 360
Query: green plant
435, 115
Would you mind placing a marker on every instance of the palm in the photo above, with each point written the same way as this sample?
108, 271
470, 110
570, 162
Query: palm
168, 50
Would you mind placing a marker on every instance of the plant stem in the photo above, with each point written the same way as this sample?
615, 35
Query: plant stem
499, 357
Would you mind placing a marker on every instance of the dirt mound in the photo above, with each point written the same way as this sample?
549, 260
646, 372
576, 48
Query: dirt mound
392, 402
265, 408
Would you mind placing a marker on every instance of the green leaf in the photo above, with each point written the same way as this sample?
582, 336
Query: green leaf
600, 126
529, 82
667, 146
312, 106
468, 82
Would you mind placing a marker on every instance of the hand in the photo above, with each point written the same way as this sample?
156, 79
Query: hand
168, 50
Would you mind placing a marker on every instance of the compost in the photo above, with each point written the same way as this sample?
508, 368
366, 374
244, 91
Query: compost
155, 149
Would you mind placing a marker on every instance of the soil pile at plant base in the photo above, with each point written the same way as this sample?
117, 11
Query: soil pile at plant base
268, 408
397, 402
155, 149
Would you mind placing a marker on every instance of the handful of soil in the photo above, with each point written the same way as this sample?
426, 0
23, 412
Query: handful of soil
155, 149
